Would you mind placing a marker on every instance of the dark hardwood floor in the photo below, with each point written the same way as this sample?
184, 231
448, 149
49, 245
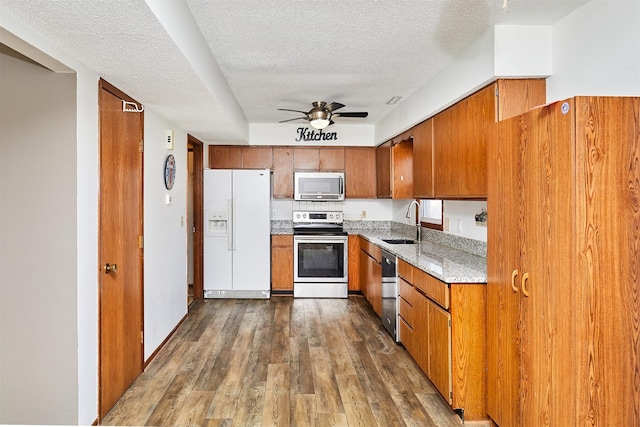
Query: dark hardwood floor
282, 362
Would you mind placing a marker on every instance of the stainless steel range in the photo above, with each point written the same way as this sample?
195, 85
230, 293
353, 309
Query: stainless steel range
320, 255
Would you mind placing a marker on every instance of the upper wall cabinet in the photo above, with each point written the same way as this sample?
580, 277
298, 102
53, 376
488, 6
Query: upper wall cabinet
383, 170
283, 172
318, 158
394, 167
225, 157
461, 132
360, 172
423, 160
237, 157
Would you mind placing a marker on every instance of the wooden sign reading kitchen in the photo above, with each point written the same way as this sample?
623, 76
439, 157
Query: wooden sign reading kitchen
306, 134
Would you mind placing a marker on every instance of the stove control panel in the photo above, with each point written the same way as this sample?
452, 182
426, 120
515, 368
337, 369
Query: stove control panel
313, 217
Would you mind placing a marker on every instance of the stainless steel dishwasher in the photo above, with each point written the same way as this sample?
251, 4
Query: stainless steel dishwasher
389, 294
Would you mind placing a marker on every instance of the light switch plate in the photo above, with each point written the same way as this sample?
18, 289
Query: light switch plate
169, 139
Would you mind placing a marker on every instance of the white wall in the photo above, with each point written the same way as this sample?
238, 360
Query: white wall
165, 233
596, 51
38, 280
353, 209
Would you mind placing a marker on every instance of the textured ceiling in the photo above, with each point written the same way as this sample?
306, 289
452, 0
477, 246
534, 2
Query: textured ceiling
272, 53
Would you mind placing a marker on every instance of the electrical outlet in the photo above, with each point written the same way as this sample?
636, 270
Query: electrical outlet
446, 224
363, 214
274, 213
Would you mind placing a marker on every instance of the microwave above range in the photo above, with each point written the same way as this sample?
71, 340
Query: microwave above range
318, 186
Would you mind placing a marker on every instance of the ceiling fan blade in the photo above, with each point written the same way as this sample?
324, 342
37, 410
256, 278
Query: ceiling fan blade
296, 111
334, 106
297, 118
354, 114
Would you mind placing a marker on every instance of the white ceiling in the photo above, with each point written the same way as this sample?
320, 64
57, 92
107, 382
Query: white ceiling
213, 66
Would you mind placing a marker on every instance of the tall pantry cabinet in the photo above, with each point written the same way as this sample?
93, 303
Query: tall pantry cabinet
563, 266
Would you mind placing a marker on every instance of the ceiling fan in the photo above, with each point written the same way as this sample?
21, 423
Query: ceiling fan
322, 114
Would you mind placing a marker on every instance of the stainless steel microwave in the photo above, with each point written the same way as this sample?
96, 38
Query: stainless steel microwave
318, 186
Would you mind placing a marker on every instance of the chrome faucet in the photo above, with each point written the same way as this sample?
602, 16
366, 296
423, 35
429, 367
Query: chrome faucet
408, 215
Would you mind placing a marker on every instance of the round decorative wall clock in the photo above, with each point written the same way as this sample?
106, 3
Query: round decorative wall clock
169, 171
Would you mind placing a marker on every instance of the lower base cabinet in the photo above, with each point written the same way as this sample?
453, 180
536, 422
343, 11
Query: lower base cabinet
282, 263
443, 327
371, 274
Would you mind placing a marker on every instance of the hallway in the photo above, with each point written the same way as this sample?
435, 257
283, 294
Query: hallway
282, 362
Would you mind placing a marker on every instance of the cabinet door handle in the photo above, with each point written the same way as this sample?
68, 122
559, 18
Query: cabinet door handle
514, 273
525, 277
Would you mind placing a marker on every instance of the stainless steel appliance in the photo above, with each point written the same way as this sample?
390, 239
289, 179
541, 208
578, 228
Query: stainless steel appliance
320, 255
237, 233
318, 186
390, 294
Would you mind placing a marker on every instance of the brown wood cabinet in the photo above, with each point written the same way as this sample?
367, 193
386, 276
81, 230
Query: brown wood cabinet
326, 159
332, 159
461, 132
282, 172
562, 312
281, 262
383, 170
239, 157
360, 172
394, 164
443, 328
354, 262
257, 158
225, 157
371, 274
423, 160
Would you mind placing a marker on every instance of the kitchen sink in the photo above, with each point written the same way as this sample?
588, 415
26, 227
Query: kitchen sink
399, 241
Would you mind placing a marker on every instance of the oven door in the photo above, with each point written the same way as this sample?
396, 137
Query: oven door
320, 266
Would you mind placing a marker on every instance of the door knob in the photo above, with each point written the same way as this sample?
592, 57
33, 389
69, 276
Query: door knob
110, 268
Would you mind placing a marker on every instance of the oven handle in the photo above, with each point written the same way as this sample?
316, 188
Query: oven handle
320, 239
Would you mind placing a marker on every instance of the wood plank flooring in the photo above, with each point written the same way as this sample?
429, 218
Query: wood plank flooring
282, 362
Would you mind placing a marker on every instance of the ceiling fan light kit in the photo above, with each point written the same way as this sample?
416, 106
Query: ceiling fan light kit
321, 115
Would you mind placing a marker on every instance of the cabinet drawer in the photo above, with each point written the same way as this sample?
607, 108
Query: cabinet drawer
433, 288
405, 289
405, 270
407, 337
406, 312
371, 249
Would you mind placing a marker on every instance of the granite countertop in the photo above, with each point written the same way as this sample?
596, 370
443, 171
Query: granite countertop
443, 261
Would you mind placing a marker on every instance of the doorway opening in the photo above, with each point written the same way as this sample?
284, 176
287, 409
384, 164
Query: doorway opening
195, 166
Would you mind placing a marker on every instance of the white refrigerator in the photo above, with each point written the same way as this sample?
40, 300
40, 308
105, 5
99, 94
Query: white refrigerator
237, 233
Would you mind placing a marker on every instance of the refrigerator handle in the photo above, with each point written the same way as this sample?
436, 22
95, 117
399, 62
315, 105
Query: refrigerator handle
233, 224
230, 227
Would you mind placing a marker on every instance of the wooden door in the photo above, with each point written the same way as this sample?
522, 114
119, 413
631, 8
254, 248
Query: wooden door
423, 160
282, 262
331, 159
120, 252
306, 158
421, 330
197, 147
503, 259
282, 172
548, 315
354, 262
607, 285
225, 157
402, 170
360, 172
440, 350
257, 158
383, 170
